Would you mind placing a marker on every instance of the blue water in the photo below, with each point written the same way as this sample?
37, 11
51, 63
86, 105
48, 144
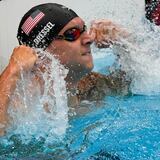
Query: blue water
125, 128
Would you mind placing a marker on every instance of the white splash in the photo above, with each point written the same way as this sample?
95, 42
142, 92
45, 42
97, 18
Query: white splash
29, 116
140, 59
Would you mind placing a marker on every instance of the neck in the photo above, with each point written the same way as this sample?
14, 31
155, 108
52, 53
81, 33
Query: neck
72, 80
71, 86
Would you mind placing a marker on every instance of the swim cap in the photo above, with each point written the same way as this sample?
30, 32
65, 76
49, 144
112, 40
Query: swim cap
42, 23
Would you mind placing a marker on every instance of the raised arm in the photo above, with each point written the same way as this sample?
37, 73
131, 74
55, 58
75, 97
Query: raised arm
22, 58
106, 33
95, 86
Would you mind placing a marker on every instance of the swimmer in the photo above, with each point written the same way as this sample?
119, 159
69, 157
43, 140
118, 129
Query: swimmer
152, 11
61, 32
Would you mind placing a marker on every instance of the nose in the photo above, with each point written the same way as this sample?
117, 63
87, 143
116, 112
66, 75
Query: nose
86, 38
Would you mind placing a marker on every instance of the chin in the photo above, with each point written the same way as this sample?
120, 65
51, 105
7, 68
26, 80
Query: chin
89, 68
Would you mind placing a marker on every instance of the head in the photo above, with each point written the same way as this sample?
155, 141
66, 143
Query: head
60, 31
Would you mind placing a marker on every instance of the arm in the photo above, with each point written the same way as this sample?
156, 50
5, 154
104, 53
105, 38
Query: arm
8, 81
107, 33
96, 86
23, 58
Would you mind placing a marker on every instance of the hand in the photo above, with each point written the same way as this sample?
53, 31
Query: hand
105, 32
22, 58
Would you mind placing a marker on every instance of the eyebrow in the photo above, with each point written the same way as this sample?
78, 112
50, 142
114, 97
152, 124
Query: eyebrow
76, 26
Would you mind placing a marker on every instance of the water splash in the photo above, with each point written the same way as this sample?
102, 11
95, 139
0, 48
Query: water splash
40, 115
140, 59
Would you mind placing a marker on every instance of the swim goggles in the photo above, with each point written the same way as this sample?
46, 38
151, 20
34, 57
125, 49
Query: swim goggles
71, 34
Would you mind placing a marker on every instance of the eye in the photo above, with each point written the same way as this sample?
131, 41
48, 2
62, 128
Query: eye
71, 31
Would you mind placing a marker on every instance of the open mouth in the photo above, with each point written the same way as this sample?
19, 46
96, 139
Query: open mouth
86, 53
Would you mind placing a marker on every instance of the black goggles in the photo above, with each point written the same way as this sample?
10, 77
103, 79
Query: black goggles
71, 34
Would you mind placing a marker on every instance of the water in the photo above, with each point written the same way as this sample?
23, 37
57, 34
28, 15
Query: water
116, 128
142, 60
27, 107
125, 128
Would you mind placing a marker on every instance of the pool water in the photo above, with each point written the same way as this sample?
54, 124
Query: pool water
122, 128
116, 128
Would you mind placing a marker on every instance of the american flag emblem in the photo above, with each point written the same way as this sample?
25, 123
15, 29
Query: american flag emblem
31, 21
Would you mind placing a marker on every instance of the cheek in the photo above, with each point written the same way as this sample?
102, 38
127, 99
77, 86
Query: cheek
72, 53
74, 48
68, 53
68, 56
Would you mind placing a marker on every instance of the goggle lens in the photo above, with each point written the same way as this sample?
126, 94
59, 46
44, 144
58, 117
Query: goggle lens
72, 34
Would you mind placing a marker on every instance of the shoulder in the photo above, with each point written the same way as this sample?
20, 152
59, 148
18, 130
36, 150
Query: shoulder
95, 86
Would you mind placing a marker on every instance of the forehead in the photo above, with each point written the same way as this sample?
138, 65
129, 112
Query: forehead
74, 22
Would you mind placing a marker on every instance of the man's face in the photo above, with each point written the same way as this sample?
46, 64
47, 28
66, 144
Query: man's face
75, 55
